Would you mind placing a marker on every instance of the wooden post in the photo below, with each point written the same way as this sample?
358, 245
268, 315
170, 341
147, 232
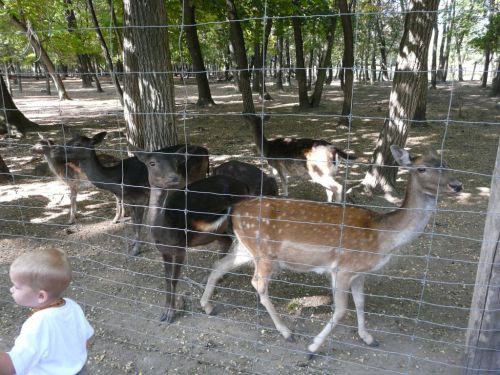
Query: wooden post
482, 354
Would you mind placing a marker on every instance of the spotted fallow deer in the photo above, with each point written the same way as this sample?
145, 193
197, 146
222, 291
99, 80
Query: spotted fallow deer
316, 159
344, 241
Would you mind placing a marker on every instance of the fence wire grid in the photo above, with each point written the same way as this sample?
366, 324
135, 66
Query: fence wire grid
417, 306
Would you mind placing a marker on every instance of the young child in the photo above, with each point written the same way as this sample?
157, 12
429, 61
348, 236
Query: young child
53, 340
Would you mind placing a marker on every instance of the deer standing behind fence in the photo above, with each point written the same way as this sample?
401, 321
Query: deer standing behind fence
72, 175
302, 157
343, 241
255, 178
173, 213
128, 180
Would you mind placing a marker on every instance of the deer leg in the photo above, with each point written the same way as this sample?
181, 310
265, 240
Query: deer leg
137, 214
331, 186
260, 281
237, 257
173, 265
118, 210
357, 285
283, 178
225, 243
340, 284
73, 192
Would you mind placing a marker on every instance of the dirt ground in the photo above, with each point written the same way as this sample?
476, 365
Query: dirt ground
417, 306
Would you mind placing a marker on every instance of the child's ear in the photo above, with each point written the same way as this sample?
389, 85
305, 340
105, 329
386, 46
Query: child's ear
43, 296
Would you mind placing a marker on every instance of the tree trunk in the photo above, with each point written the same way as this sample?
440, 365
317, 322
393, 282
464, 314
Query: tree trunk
420, 111
434, 54
19, 78
279, 73
189, 25
5, 175
105, 51
300, 67
440, 72
93, 74
114, 24
495, 87
347, 61
238, 44
324, 63
40, 51
487, 59
264, 95
149, 102
236, 73
47, 83
288, 63
256, 67
448, 42
460, 59
7, 80
411, 62
10, 115
383, 49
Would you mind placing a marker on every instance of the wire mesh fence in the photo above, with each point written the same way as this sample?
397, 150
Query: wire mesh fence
417, 306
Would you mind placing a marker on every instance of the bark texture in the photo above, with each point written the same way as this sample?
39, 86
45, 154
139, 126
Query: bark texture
189, 25
240, 56
149, 103
412, 60
10, 115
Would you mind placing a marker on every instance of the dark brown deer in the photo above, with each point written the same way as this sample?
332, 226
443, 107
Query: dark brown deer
175, 217
345, 242
71, 174
255, 178
128, 180
301, 157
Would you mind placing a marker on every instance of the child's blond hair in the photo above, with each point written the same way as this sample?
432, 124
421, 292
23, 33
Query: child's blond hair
47, 270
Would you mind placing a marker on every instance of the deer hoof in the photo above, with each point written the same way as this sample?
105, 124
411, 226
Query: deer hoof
290, 338
311, 356
168, 316
135, 250
374, 344
210, 309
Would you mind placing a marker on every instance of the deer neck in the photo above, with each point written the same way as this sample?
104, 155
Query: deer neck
56, 168
408, 222
156, 212
260, 139
101, 176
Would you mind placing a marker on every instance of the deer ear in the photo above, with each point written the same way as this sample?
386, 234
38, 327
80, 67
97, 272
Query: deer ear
98, 138
141, 155
434, 154
401, 156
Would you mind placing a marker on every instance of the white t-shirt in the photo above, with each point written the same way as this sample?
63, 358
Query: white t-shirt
52, 341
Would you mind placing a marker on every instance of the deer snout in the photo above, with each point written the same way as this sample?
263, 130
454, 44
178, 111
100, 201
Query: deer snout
455, 186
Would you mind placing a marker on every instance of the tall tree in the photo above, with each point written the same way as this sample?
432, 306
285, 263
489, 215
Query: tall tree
105, 51
411, 61
149, 102
434, 54
189, 26
39, 50
379, 27
10, 115
325, 62
240, 56
300, 65
347, 60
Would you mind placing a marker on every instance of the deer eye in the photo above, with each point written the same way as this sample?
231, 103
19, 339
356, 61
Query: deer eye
421, 170
152, 163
